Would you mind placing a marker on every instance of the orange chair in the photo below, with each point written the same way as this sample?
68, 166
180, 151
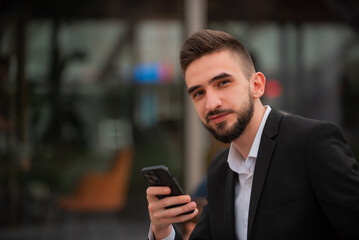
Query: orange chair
105, 191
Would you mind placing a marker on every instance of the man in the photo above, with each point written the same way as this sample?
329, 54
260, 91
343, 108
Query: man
283, 176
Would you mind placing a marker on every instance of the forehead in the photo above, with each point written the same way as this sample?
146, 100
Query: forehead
210, 65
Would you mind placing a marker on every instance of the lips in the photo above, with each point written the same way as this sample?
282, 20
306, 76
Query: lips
217, 118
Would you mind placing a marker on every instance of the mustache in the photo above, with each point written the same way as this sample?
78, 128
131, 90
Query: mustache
217, 111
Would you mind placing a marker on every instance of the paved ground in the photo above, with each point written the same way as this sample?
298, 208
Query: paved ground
132, 223
103, 229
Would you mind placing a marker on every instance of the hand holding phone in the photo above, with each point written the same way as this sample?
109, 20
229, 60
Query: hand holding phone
161, 176
162, 218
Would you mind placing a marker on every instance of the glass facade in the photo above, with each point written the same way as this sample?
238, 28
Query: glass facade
74, 93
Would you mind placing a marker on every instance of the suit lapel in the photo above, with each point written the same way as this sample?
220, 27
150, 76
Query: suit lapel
221, 184
266, 148
229, 206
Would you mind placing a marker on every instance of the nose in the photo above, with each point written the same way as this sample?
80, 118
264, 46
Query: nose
213, 101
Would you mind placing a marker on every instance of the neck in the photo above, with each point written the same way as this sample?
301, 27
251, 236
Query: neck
244, 142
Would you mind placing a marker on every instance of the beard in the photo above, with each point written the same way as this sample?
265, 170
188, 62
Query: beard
228, 135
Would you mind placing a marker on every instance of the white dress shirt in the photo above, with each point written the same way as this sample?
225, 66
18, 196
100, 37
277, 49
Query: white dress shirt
243, 186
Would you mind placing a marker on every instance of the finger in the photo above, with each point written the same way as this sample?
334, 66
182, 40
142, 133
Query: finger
170, 207
180, 218
157, 207
155, 191
176, 200
186, 217
181, 209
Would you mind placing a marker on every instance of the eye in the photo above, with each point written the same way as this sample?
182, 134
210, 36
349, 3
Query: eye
223, 82
197, 93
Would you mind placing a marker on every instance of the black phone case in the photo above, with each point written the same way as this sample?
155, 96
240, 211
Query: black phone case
161, 176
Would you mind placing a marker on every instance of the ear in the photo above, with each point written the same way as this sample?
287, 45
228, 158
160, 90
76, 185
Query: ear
258, 82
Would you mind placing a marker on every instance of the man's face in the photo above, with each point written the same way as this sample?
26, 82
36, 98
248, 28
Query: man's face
221, 94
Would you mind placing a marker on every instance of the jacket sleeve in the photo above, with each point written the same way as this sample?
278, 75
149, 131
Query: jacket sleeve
334, 176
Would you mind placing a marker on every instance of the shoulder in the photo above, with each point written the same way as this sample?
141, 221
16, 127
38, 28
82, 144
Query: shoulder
299, 125
296, 133
296, 120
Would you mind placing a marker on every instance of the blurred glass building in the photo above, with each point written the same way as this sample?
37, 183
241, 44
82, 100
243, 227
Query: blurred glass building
83, 81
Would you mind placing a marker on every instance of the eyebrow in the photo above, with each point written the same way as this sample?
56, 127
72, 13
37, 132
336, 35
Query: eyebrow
215, 78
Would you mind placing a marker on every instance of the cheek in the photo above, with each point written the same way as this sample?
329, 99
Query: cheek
238, 99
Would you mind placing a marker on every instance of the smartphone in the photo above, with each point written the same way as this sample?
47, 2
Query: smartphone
161, 176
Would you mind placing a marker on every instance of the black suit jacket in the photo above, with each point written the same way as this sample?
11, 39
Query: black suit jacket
305, 186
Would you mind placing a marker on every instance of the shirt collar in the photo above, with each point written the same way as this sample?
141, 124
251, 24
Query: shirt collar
255, 145
235, 158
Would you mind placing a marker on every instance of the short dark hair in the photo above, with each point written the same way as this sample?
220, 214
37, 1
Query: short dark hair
208, 41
